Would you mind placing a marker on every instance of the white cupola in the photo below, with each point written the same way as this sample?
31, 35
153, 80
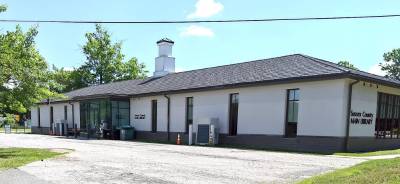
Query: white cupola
164, 63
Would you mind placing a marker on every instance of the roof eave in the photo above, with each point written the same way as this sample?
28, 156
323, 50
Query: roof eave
250, 84
373, 80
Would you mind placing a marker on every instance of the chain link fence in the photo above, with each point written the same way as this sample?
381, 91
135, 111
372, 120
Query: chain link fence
17, 128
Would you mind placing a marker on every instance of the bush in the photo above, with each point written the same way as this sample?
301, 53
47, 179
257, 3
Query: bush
9, 120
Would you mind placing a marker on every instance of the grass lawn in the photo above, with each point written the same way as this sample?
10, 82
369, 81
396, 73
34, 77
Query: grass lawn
374, 153
373, 171
20, 130
16, 157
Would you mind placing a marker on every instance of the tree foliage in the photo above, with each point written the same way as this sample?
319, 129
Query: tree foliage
105, 60
67, 80
133, 70
104, 64
347, 64
3, 8
391, 64
23, 71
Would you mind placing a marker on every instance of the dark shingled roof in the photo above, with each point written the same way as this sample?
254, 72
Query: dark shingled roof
288, 68
165, 40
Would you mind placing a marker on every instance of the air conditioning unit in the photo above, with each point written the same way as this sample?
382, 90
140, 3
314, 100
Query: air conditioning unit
207, 131
60, 128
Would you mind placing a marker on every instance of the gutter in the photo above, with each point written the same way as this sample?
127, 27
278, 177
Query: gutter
349, 99
73, 117
168, 115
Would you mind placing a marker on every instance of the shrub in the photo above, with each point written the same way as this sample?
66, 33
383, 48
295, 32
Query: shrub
9, 120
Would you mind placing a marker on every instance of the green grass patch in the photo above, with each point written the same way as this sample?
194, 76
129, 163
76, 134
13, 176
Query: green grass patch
374, 171
19, 130
374, 153
16, 157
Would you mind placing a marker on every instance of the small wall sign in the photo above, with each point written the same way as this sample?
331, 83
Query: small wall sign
361, 118
140, 116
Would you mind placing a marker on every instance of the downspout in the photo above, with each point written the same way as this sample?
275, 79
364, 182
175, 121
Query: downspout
349, 99
73, 118
168, 116
51, 125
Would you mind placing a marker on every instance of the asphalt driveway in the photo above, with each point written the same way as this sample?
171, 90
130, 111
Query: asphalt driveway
105, 161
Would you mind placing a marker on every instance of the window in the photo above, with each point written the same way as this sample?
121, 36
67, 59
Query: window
38, 114
154, 116
120, 113
51, 117
292, 111
108, 114
233, 113
388, 116
65, 112
189, 112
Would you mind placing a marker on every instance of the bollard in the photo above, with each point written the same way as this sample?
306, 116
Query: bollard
178, 139
190, 142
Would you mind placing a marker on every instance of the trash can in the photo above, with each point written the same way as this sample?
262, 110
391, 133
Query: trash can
127, 133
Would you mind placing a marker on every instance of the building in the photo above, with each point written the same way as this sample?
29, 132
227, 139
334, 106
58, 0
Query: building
293, 102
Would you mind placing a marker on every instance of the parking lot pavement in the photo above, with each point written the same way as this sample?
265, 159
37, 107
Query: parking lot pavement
106, 161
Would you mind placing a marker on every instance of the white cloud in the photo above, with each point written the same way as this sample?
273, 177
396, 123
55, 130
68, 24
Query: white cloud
376, 69
195, 30
206, 8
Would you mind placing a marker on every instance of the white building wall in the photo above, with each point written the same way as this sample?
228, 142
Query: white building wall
76, 114
364, 100
58, 114
262, 109
34, 116
142, 106
44, 115
322, 108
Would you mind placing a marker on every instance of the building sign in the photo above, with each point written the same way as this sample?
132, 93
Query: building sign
361, 118
140, 116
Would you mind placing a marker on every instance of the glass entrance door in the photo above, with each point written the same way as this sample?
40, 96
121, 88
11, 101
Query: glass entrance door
109, 115
94, 118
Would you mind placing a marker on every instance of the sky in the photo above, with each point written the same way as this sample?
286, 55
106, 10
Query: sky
362, 42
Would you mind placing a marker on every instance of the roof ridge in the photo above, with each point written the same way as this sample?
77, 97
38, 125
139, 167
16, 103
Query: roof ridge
327, 63
257, 60
113, 82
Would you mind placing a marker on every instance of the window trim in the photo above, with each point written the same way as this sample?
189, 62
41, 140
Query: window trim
51, 116
154, 120
187, 113
287, 101
230, 125
65, 112
385, 123
38, 111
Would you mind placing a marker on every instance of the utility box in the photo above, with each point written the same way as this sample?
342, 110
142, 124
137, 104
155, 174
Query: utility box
60, 128
207, 131
127, 133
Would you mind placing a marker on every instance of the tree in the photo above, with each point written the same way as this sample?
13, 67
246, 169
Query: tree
105, 61
347, 64
67, 80
391, 64
3, 8
23, 72
60, 80
133, 70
